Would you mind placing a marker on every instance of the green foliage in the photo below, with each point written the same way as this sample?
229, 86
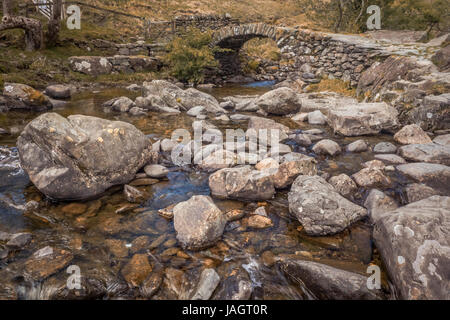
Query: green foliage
418, 15
190, 55
2, 82
351, 16
250, 66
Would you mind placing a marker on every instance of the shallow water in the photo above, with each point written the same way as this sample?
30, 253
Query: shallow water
242, 251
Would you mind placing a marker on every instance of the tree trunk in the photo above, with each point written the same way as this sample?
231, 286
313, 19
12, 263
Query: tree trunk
32, 27
6, 8
54, 24
339, 21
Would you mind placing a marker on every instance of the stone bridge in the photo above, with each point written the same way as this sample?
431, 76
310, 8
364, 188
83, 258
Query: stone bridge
338, 56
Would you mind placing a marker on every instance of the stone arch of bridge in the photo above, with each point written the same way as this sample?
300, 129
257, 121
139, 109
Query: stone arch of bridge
234, 37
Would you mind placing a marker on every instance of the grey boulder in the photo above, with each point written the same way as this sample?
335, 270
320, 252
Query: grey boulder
320, 208
81, 156
414, 243
281, 101
198, 222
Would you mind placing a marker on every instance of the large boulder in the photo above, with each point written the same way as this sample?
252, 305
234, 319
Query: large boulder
434, 112
241, 183
326, 282
363, 119
383, 74
177, 98
414, 243
430, 152
320, 208
81, 156
198, 222
281, 101
21, 96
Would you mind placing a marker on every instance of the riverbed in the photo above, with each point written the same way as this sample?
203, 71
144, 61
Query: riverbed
102, 241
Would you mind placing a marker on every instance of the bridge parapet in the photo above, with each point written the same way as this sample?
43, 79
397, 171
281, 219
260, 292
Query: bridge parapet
325, 54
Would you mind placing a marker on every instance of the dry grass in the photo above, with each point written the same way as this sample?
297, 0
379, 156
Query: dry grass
334, 85
273, 11
262, 49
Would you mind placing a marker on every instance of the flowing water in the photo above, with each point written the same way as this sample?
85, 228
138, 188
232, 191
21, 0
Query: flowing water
87, 231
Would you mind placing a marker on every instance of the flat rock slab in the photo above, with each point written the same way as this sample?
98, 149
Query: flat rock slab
415, 245
434, 175
363, 119
320, 208
429, 152
326, 282
47, 261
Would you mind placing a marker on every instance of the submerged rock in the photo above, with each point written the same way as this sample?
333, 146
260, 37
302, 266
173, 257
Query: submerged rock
198, 222
241, 183
326, 282
259, 222
320, 208
209, 280
132, 194
19, 240
81, 156
47, 261
414, 243
235, 286
137, 270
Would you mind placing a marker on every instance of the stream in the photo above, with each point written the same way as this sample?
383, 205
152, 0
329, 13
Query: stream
103, 241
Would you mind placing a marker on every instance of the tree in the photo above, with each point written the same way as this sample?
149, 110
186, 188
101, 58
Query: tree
54, 25
32, 27
350, 15
189, 56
